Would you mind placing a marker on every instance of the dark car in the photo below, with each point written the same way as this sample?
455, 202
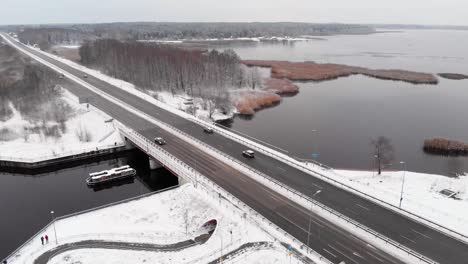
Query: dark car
208, 130
160, 141
248, 153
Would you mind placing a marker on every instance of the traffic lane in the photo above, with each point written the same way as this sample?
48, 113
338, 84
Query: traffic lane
137, 100
267, 202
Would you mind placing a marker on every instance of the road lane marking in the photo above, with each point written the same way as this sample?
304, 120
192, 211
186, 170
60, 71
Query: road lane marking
379, 259
281, 169
363, 207
408, 239
330, 253
342, 253
419, 233
318, 186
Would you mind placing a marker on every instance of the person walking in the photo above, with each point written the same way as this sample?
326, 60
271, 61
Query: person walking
46, 239
42, 240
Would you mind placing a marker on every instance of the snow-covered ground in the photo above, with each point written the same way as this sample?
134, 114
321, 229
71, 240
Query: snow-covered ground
31, 146
165, 218
421, 193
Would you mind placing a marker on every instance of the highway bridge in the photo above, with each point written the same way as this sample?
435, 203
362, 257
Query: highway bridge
187, 143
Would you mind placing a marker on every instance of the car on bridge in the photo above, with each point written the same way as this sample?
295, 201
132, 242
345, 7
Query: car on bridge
248, 153
208, 130
160, 141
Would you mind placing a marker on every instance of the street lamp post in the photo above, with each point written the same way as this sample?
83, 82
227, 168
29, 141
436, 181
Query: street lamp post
55, 230
310, 219
314, 139
403, 164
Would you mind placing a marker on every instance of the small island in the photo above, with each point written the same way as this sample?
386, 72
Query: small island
453, 76
311, 71
442, 146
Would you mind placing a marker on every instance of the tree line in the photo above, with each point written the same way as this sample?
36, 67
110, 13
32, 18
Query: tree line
46, 35
156, 67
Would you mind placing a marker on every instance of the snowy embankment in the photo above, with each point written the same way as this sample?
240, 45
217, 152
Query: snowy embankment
421, 194
165, 218
85, 131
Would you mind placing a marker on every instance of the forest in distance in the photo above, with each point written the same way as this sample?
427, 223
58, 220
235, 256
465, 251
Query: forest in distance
46, 35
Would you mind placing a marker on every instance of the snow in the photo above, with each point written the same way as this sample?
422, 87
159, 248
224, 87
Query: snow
157, 219
31, 147
421, 194
69, 46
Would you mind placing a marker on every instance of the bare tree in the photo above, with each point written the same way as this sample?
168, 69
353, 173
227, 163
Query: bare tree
383, 152
186, 221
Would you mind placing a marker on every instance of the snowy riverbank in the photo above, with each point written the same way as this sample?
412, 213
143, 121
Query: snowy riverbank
421, 194
165, 218
85, 130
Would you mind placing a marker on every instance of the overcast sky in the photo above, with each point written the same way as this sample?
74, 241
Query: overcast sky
446, 12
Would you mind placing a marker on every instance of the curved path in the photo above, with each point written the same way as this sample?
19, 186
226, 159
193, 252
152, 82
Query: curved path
101, 244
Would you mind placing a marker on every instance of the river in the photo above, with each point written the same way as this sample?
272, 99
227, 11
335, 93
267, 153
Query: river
26, 200
337, 119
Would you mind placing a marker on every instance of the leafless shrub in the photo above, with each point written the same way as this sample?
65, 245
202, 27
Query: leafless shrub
83, 134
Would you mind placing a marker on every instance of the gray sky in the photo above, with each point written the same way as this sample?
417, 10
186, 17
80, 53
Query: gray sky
447, 12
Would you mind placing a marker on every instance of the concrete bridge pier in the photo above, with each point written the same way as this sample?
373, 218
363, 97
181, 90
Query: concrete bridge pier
154, 164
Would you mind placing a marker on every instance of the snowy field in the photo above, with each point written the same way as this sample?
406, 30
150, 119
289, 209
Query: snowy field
165, 218
421, 194
85, 130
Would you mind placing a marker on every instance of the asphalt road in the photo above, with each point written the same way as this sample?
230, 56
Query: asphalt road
290, 216
100, 244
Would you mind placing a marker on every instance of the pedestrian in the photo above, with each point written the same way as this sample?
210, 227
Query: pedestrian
47, 239
42, 240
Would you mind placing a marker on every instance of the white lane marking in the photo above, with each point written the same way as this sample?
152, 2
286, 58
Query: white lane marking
352, 211
408, 239
281, 169
421, 234
369, 245
318, 186
330, 253
342, 253
358, 255
379, 259
363, 207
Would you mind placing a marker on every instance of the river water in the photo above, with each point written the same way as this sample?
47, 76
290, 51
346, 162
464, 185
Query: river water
26, 200
347, 113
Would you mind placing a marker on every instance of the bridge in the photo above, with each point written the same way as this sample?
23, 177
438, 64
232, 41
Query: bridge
274, 186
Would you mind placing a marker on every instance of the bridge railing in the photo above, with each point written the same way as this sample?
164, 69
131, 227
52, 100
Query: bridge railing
299, 164
282, 188
201, 182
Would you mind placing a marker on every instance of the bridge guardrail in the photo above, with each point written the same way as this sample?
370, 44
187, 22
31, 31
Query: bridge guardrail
201, 181
302, 197
297, 164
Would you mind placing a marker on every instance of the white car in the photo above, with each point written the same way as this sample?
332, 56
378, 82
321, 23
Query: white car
248, 153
